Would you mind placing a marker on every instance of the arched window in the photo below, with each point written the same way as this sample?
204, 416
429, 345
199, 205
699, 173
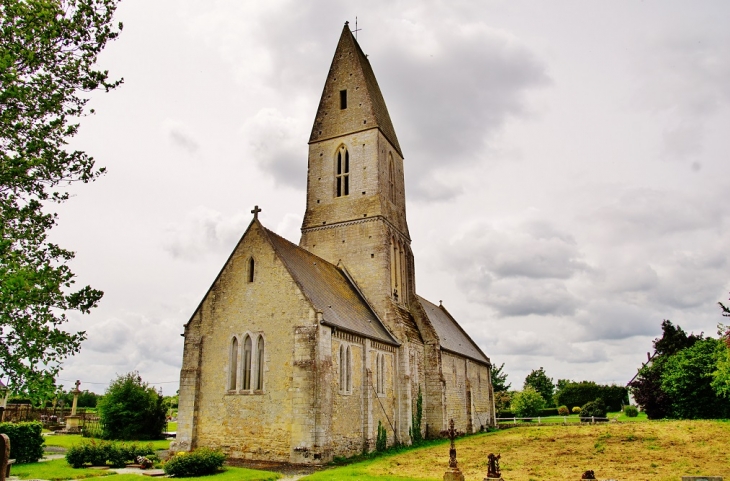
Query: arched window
391, 179
345, 369
342, 367
260, 364
247, 363
348, 370
233, 365
380, 370
342, 178
251, 269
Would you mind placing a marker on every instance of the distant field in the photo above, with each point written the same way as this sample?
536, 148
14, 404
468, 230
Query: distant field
650, 451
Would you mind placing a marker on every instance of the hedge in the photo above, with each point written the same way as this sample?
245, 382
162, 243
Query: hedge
97, 453
543, 413
579, 393
26, 441
201, 462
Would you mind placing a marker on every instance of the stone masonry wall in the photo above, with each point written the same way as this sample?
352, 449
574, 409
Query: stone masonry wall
252, 424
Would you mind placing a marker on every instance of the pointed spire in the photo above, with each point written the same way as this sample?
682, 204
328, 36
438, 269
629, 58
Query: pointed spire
351, 99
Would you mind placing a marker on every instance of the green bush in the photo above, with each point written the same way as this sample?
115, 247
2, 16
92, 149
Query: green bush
97, 453
563, 411
576, 410
595, 408
200, 462
381, 442
631, 411
527, 403
26, 441
131, 409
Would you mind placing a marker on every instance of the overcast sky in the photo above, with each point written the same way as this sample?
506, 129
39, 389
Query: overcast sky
567, 168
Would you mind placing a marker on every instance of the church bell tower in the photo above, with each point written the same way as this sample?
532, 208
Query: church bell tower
356, 211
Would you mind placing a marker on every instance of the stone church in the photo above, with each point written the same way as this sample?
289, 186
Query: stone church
298, 352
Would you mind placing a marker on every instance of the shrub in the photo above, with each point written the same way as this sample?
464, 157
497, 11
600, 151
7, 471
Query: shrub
131, 409
574, 394
595, 408
527, 403
631, 411
26, 441
97, 453
417, 418
576, 410
548, 412
200, 462
563, 411
381, 442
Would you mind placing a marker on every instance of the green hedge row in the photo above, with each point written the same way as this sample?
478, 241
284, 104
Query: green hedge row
543, 413
26, 441
579, 393
98, 453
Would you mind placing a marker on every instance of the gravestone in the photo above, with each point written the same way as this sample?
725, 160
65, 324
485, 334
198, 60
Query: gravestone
5, 460
493, 472
453, 473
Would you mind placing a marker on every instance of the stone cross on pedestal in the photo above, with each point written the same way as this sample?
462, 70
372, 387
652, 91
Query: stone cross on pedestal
76, 398
453, 473
255, 212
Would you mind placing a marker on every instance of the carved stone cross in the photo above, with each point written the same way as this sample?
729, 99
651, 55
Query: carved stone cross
255, 212
452, 452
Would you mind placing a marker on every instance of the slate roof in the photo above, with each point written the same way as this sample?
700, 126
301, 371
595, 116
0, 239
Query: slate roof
330, 291
451, 336
380, 117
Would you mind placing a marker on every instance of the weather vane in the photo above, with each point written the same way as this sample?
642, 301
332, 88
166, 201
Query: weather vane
356, 29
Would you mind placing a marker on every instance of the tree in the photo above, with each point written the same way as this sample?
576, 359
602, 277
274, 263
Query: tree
48, 49
538, 380
721, 376
499, 379
687, 380
131, 409
647, 388
528, 403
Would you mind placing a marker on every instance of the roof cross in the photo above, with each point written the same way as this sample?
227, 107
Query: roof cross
255, 212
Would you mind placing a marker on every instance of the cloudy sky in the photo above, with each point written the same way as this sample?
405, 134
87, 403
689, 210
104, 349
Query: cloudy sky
567, 168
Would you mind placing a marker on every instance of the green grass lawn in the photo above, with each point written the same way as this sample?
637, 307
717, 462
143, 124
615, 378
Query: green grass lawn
58, 470
68, 440
172, 426
574, 418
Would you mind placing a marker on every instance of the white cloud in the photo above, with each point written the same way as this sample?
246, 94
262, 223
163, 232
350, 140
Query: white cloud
204, 231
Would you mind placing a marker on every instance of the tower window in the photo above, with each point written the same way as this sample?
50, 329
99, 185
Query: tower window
342, 178
343, 99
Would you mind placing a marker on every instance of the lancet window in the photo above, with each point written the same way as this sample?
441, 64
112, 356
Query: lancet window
260, 364
247, 363
342, 177
345, 369
233, 365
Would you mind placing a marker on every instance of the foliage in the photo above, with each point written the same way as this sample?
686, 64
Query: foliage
527, 403
201, 462
86, 399
721, 375
631, 411
563, 411
381, 442
48, 49
541, 383
578, 393
647, 387
687, 380
576, 410
499, 379
131, 410
502, 400
595, 408
417, 417
98, 453
26, 441
684, 379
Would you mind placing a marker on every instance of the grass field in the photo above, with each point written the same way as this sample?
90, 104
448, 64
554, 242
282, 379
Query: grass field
68, 440
650, 451
58, 469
